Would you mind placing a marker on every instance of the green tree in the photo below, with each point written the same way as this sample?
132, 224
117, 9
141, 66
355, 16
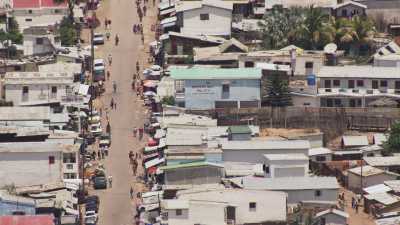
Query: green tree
68, 33
71, 5
277, 91
313, 29
12, 32
393, 142
168, 100
364, 30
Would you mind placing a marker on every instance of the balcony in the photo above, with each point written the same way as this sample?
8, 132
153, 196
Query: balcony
358, 92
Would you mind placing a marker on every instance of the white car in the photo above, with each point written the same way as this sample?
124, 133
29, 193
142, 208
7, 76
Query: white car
98, 39
96, 129
99, 65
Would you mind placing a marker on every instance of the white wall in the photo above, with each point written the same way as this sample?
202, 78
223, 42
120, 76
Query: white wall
218, 24
178, 220
32, 48
287, 168
295, 196
307, 101
354, 181
37, 92
386, 63
255, 156
29, 168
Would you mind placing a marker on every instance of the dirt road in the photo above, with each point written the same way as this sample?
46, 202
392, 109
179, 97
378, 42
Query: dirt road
116, 207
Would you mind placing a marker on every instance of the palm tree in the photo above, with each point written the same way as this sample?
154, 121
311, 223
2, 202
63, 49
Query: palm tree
340, 31
364, 30
312, 30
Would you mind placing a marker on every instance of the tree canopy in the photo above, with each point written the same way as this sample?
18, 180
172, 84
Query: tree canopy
312, 28
68, 32
393, 142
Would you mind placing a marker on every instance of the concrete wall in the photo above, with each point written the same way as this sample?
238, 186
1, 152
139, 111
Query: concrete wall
287, 168
307, 101
7, 208
300, 67
386, 63
202, 94
32, 48
175, 219
354, 181
219, 22
37, 92
255, 156
295, 196
29, 168
198, 175
333, 219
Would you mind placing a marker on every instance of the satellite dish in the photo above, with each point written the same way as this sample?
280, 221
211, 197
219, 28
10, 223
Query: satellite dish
330, 48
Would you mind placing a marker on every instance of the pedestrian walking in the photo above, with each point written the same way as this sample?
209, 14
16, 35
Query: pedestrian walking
131, 192
112, 103
105, 22
356, 206
353, 200
109, 59
116, 40
140, 133
144, 10
114, 87
142, 39
137, 67
102, 153
108, 75
110, 181
108, 127
98, 155
108, 35
134, 131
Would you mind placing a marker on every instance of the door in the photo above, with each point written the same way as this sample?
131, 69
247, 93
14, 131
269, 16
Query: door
230, 213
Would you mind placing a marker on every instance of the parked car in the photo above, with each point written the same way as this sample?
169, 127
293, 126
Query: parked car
99, 70
100, 183
92, 198
96, 129
98, 39
105, 140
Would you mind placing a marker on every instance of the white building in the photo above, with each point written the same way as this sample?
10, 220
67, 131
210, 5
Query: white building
285, 165
301, 62
35, 163
253, 151
370, 176
39, 41
38, 12
357, 86
331, 217
320, 155
37, 87
299, 189
205, 17
226, 206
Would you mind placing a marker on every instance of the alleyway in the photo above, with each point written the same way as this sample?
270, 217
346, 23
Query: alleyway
116, 207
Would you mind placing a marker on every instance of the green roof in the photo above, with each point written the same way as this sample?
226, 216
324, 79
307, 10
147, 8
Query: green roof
189, 165
215, 73
239, 129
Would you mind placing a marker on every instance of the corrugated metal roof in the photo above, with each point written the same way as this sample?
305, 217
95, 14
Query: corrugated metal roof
278, 157
388, 221
154, 162
366, 171
189, 165
334, 211
5, 196
393, 184
350, 141
383, 197
265, 144
286, 183
383, 161
379, 188
24, 113
319, 151
215, 73
190, 5
379, 138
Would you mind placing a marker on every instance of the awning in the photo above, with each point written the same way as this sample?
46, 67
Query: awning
152, 193
166, 25
153, 162
152, 142
149, 156
149, 207
166, 4
167, 11
83, 89
149, 149
168, 20
149, 83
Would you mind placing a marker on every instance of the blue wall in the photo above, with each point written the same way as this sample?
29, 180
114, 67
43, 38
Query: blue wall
8, 207
202, 94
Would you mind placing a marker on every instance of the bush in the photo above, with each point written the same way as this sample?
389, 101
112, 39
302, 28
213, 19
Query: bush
168, 100
68, 33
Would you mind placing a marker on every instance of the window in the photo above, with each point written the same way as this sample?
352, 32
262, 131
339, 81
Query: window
321, 158
360, 83
25, 90
54, 89
327, 83
204, 16
252, 206
309, 65
69, 176
249, 64
180, 86
178, 212
69, 158
266, 168
39, 41
351, 83
317, 193
28, 19
384, 83
375, 84
70, 166
57, 11
225, 91
336, 83
51, 159
397, 84
30, 11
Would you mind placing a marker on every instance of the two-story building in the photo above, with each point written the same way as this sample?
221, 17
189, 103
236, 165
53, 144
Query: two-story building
301, 62
39, 41
204, 17
210, 88
357, 86
38, 12
36, 163
37, 87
